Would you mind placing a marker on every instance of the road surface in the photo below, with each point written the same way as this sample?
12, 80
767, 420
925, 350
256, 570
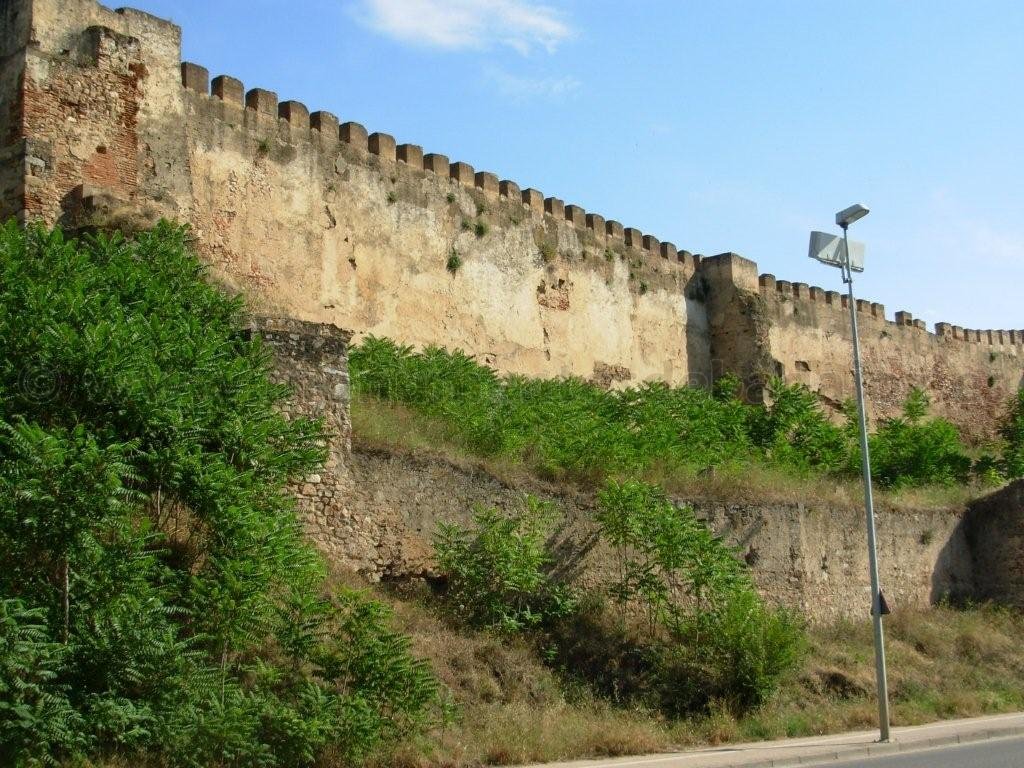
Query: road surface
997, 753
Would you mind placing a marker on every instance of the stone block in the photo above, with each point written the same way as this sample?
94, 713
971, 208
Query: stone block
510, 190
295, 113
533, 199
595, 223
462, 173
228, 89
436, 163
576, 215
195, 77
555, 207
411, 155
816, 293
486, 181
261, 101
801, 291
904, 318
634, 237
614, 229
669, 251
326, 123
383, 145
651, 243
354, 134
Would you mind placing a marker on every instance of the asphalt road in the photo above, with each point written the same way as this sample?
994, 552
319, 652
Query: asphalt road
998, 753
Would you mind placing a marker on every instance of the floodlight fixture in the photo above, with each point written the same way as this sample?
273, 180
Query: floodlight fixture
830, 249
847, 216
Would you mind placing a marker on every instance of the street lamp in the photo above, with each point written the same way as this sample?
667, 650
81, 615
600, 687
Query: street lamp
849, 257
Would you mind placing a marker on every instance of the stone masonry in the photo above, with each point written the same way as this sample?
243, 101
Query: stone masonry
325, 225
318, 219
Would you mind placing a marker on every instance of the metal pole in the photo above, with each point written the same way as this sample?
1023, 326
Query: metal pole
869, 503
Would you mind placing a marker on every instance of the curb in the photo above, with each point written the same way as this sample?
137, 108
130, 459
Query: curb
878, 749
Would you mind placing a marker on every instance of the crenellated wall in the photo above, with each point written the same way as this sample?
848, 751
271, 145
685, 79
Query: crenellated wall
970, 375
319, 220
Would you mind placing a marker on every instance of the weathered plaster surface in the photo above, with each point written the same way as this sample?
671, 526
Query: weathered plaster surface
319, 221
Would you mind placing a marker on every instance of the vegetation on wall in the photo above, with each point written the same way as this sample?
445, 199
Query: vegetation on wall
157, 599
569, 428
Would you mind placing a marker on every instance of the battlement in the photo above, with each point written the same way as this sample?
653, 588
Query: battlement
294, 122
782, 290
318, 219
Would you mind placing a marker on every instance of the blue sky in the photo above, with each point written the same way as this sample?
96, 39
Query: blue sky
720, 126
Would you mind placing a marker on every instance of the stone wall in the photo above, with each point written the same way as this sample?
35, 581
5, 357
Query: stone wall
319, 220
970, 375
807, 556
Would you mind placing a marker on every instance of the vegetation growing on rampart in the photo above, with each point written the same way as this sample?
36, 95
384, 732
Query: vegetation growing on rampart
571, 429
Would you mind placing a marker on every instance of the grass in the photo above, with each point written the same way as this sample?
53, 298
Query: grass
513, 709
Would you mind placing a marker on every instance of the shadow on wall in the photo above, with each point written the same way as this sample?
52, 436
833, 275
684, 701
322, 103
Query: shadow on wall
953, 578
994, 533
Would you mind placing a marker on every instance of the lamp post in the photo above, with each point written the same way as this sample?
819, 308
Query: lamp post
827, 249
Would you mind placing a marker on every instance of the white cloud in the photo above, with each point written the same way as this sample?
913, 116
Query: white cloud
521, 88
460, 24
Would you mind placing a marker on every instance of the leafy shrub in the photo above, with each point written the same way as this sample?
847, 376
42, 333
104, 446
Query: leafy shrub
719, 641
157, 599
572, 428
496, 570
914, 450
793, 430
1012, 432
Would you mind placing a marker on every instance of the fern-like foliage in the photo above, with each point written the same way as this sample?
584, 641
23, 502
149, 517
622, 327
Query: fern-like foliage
157, 599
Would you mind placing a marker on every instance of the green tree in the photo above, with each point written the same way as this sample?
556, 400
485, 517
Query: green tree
152, 567
719, 639
914, 450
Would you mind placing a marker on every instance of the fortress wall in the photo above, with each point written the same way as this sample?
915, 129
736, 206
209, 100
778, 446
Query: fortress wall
319, 220
969, 375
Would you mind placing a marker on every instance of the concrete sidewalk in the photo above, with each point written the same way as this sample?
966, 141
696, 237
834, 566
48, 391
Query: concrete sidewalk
819, 749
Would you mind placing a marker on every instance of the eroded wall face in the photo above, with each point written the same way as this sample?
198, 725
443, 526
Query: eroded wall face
994, 528
809, 557
321, 222
321, 229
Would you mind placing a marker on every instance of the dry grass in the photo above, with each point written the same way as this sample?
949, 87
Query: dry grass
394, 427
943, 663
513, 709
